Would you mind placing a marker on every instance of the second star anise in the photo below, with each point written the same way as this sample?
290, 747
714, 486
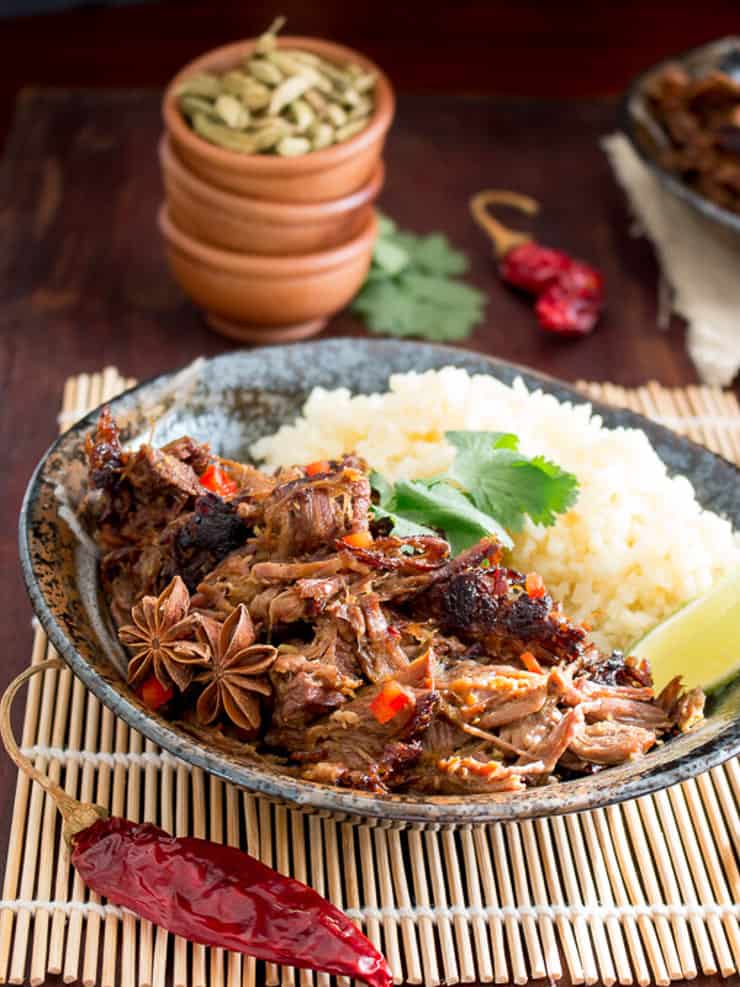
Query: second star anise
235, 676
162, 638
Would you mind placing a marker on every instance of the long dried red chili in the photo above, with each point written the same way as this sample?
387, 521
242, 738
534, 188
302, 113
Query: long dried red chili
208, 893
219, 896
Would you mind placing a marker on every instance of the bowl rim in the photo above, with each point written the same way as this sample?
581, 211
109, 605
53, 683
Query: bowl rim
265, 265
266, 210
266, 164
626, 121
396, 809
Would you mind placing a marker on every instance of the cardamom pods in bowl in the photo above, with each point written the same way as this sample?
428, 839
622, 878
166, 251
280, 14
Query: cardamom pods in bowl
289, 119
319, 101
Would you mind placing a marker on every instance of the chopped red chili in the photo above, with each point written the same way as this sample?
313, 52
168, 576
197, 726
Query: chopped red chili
534, 585
220, 896
358, 539
390, 701
530, 662
153, 694
218, 481
320, 466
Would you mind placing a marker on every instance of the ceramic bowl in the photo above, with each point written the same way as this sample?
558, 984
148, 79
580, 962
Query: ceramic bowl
258, 299
231, 401
646, 135
319, 176
256, 226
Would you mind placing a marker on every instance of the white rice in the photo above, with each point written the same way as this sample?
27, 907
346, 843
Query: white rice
633, 549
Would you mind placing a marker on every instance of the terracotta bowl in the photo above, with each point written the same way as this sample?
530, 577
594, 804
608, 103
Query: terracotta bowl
315, 177
257, 299
256, 226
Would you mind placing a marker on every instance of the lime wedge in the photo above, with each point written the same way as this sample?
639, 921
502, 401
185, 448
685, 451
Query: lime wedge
701, 642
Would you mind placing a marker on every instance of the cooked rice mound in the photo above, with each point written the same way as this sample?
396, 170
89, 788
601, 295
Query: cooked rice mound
634, 548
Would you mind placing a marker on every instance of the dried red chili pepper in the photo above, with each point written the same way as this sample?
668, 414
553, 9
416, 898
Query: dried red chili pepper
219, 896
208, 893
570, 293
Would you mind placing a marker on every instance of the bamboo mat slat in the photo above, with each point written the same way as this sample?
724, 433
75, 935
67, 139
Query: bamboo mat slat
643, 893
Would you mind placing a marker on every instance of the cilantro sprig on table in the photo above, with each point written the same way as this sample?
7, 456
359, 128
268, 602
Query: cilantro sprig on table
489, 489
411, 289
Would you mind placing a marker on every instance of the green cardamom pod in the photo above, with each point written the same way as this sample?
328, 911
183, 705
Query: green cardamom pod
203, 84
322, 135
315, 100
256, 95
302, 114
286, 92
267, 137
264, 71
350, 129
267, 41
233, 113
190, 105
365, 82
217, 133
362, 109
336, 114
351, 98
291, 147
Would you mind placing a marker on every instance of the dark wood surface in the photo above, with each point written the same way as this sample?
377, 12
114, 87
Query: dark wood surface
525, 48
83, 280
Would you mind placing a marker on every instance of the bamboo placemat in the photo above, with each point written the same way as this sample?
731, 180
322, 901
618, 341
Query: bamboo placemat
644, 892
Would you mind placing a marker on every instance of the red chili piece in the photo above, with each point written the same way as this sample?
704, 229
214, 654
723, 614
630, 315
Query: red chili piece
570, 293
219, 896
218, 481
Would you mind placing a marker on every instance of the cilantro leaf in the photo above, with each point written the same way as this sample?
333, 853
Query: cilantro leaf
390, 256
385, 509
415, 507
503, 482
443, 506
409, 290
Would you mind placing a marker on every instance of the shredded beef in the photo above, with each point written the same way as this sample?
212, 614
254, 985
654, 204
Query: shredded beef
393, 666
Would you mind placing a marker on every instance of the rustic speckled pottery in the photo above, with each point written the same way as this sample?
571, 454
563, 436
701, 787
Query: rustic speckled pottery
231, 401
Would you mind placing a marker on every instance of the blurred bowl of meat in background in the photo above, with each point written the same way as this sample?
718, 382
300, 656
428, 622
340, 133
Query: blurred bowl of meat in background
682, 117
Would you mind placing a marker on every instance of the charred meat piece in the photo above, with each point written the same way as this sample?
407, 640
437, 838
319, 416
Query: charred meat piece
104, 453
309, 514
616, 669
493, 606
197, 455
201, 539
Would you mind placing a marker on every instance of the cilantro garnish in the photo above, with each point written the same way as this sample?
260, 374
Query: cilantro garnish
489, 488
410, 289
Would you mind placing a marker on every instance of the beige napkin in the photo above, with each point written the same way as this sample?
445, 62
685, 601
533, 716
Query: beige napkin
700, 263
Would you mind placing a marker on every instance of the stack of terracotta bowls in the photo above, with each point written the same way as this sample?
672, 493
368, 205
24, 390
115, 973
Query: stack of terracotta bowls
270, 247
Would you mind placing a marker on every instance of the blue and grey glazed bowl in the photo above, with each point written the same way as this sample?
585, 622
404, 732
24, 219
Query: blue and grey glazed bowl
231, 401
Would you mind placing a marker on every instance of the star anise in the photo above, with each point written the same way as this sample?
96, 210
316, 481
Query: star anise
235, 675
162, 638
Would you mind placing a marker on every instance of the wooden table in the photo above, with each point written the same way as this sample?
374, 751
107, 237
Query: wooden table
83, 280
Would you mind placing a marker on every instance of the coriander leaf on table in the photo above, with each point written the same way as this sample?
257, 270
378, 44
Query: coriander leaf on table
409, 290
505, 483
390, 256
433, 253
